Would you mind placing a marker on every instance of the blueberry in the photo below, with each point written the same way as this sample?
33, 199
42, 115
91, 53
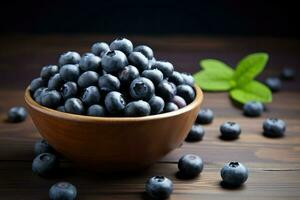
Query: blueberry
122, 44
145, 50
100, 48
165, 90
138, 60
137, 109
157, 105
69, 57
170, 106
108, 83
48, 71
68, 90
188, 79
114, 61
62, 191
61, 109
176, 78
196, 133
90, 62
37, 83
42, 146
141, 88
179, 101
205, 116
273, 83
154, 75
230, 130
159, 187
16, 114
55, 82
234, 174
44, 164
75, 106
114, 102
128, 74
87, 79
165, 67
288, 73
186, 92
90, 96
50, 98
190, 165
69, 72
96, 110
253, 108
274, 127
38, 92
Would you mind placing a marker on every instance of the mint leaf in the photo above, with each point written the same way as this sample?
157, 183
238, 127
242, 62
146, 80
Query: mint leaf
253, 91
216, 65
211, 80
249, 67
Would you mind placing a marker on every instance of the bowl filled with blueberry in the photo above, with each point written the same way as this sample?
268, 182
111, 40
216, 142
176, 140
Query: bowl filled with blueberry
114, 109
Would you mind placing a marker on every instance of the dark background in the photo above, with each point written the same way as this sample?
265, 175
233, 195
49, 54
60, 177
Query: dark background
228, 17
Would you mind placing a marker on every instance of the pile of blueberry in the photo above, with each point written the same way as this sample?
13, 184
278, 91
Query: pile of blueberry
113, 80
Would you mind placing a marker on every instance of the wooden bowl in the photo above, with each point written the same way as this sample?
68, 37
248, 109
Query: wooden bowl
115, 143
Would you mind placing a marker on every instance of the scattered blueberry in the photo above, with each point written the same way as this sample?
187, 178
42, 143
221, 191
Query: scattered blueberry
42, 146
288, 73
196, 133
90, 62
115, 103
128, 74
205, 116
176, 78
87, 79
273, 83
16, 114
188, 79
138, 60
230, 130
157, 105
179, 101
69, 72
74, 106
100, 48
50, 98
90, 96
170, 106
186, 92
274, 127
69, 90
154, 75
234, 174
48, 71
55, 82
141, 88
70, 57
108, 83
114, 61
36, 84
145, 50
190, 165
159, 187
63, 191
96, 110
44, 164
165, 67
137, 109
253, 108
122, 44
165, 90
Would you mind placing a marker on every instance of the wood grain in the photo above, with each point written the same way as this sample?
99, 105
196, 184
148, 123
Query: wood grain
274, 164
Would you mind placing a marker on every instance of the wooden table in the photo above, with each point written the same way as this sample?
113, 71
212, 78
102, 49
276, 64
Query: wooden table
274, 164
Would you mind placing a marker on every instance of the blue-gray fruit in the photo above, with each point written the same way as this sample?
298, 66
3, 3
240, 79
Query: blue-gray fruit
154, 75
114, 61
288, 73
48, 71
159, 187
69, 57
68, 90
190, 165
37, 83
138, 60
165, 90
165, 67
96, 110
50, 98
273, 83
90, 62
16, 114
69, 72
63, 191
234, 174
100, 48
74, 106
170, 106
176, 78
179, 101
44, 164
141, 88
196, 133
157, 105
55, 82
274, 127
115, 103
188, 79
108, 83
122, 44
90, 96
128, 74
186, 92
137, 109
87, 79
145, 50
253, 109
42, 146
205, 116
230, 130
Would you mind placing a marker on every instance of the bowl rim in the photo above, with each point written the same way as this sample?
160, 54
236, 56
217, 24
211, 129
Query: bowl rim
74, 117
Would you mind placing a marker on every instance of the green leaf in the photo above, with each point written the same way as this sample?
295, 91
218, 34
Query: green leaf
211, 80
249, 67
216, 65
253, 91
